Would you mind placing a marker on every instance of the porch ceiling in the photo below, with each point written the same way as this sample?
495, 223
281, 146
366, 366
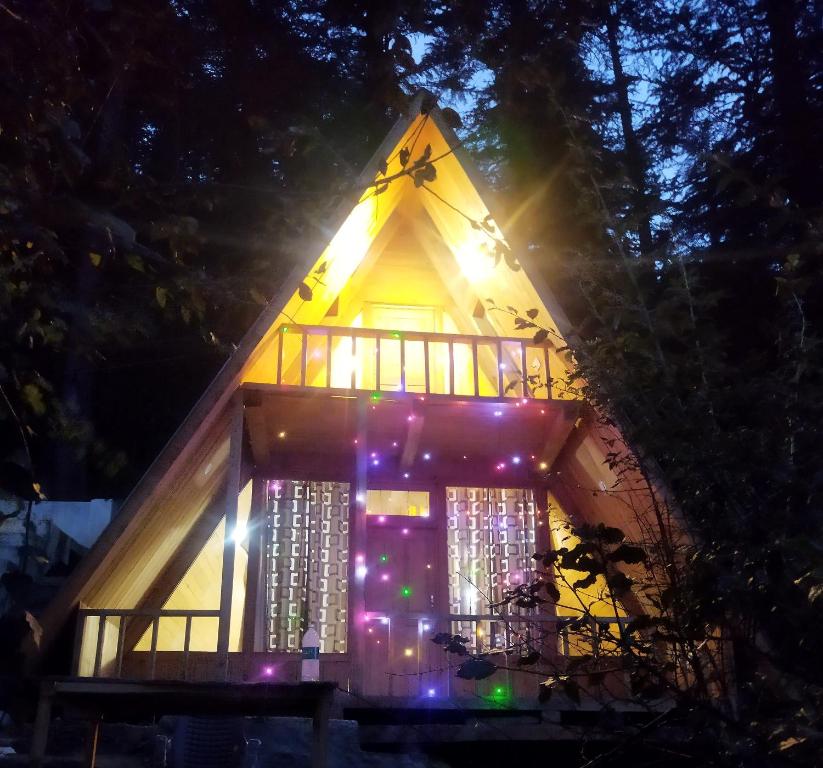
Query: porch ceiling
403, 430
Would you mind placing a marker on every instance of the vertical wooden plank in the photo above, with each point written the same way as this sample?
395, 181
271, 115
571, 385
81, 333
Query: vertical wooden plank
186, 646
304, 356
320, 731
353, 361
42, 721
280, 356
358, 544
98, 651
451, 366
91, 744
523, 369
475, 369
328, 359
548, 372
121, 637
426, 365
402, 363
155, 627
254, 572
500, 369
377, 362
227, 576
78, 640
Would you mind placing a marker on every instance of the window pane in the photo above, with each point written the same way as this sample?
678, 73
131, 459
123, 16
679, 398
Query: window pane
307, 548
405, 503
491, 534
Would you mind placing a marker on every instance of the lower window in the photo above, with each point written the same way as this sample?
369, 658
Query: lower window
307, 556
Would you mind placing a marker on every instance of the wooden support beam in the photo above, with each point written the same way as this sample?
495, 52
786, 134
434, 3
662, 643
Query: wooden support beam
232, 490
557, 434
320, 731
42, 722
252, 620
358, 543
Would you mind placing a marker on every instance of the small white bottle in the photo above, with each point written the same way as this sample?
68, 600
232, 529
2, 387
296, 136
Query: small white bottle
310, 664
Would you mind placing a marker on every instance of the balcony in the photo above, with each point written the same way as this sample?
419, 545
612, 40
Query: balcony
452, 365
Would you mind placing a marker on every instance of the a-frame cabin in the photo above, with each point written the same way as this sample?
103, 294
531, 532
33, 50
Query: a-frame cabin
380, 457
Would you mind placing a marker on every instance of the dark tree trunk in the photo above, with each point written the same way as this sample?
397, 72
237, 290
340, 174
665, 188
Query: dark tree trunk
636, 162
794, 116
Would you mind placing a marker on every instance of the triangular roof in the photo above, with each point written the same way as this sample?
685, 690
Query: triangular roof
184, 483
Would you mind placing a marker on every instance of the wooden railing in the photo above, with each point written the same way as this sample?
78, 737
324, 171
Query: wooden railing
94, 644
591, 632
411, 362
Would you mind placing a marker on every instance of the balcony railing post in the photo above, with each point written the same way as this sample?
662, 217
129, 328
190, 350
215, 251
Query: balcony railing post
280, 355
98, 651
524, 371
186, 648
353, 361
427, 383
500, 366
328, 360
377, 363
475, 369
304, 356
121, 640
402, 363
548, 372
155, 627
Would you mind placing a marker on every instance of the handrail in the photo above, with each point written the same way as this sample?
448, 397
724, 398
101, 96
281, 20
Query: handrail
102, 614
511, 366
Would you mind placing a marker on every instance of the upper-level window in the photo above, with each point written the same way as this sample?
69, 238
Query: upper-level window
404, 503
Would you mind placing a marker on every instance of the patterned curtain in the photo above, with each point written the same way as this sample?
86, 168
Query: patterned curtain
491, 541
307, 552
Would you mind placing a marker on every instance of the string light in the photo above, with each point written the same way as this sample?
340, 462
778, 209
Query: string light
406, 591
408, 652
281, 435
426, 456
515, 459
498, 413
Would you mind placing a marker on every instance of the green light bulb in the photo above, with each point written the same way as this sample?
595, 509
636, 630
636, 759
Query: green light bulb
406, 591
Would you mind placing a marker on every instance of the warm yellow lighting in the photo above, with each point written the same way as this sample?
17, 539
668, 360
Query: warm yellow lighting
408, 652
474, 257
543, 465
281, 435
480, 632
